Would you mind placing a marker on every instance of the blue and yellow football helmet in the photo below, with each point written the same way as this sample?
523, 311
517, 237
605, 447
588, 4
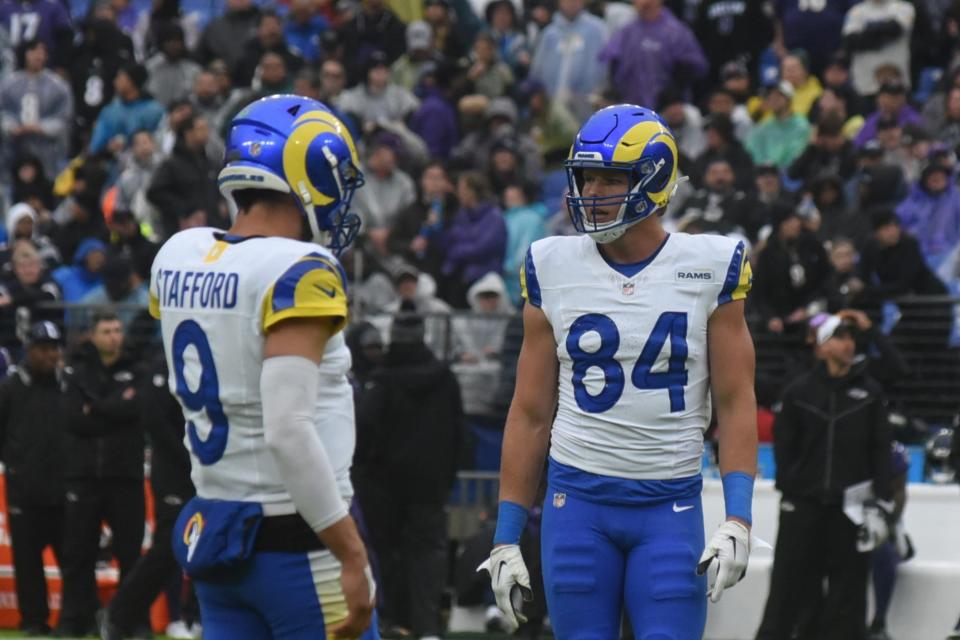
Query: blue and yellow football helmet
626, 138
297, 145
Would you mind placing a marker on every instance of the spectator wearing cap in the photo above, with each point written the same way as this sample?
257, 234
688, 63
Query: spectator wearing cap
566, 60
22, 225
476, 241
931, 212
417, 232
417, 291
891, 103
488, 76
171, 72
768, 185
374, 28
388, 190
891, 138
722, 143
722, 103
36, 110
732, 31
304, 29
225, 37
816, 32
877, 32
511, 43
655, 51
24, 292
407, 69
783, 136
828, 152
130, 111
526, 223
548, 122
378, 97
735, 79
32, 427
794, 68
686, 121
790, 270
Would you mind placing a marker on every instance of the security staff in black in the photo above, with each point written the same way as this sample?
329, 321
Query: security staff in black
831, 432
104, 471
170, 482
31, 448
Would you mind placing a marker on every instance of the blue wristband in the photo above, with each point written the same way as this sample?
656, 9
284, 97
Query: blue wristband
738, 495
511, 519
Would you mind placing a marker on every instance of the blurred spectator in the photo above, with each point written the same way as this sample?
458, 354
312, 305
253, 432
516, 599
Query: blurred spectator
722, 144
83, 276
415, 291
806, 87
452, 34
828, 152
500, 123
184, 187
333, 79
131, 111
45, 20
548, 122
387, 192
268, 39
890, 136
722, 103
226, 37
374, 28
836, 218
837, 103
166, 133
782, 137
880, 186
931, 212
826, 439
891, 103
654, 52
526, 223
100, 53
843, 285
790, 270
377, 97
407, 69
32, 426
687, 124
127, 240
949, 132
735, 80
409, 433
366, 355
487, 74
718, 207
476, 241
22, 225
36, 110
418, 231
207, 100
506, 165
135, 179
84, 221
24, 293
730, 31
303, 30
435, 120
566, 60
769, 185
103, 408
814, 29
32, 186
934, 109
877, 32
505, 27
171, 73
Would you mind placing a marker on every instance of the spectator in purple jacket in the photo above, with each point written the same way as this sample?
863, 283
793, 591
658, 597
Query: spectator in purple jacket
891, 103
435, 120
476, 242
655, 51
931, 212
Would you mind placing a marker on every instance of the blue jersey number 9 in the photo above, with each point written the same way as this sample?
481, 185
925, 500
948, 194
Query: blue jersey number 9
206, 397
670, 325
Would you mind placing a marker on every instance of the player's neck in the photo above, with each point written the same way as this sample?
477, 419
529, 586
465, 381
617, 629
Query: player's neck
269, 220
638, 243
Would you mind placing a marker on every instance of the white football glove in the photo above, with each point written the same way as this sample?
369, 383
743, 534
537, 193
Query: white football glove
510, 582
730, 546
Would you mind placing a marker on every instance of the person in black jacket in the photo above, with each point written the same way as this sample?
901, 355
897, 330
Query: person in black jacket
31, 439
831, 432
104, 471
409, 426
172, 488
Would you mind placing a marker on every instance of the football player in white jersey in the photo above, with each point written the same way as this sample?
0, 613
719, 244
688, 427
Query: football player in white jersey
251, 322
628, 333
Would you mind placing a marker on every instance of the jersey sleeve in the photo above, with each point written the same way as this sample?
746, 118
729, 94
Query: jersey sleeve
312, 287
154, 306
529, 284
739, 277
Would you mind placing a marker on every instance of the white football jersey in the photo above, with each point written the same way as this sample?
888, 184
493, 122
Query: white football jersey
216, 296
634, 378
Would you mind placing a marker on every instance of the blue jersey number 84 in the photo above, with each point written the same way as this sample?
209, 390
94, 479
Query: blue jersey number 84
670, 325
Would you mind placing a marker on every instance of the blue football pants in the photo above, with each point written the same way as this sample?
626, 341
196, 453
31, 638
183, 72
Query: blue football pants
599, 559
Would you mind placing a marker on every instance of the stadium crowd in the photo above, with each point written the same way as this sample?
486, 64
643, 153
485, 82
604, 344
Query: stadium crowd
824, 133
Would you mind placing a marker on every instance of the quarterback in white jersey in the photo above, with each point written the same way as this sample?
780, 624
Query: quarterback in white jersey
630, 336
251, 322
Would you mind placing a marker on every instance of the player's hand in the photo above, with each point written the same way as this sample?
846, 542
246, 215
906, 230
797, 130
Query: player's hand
360, 592
730, 548
510, 582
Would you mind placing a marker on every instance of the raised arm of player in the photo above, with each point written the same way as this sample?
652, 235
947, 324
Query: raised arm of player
732, 363
288, 383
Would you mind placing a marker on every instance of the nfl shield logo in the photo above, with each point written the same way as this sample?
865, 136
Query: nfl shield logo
559, 499
627, 288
